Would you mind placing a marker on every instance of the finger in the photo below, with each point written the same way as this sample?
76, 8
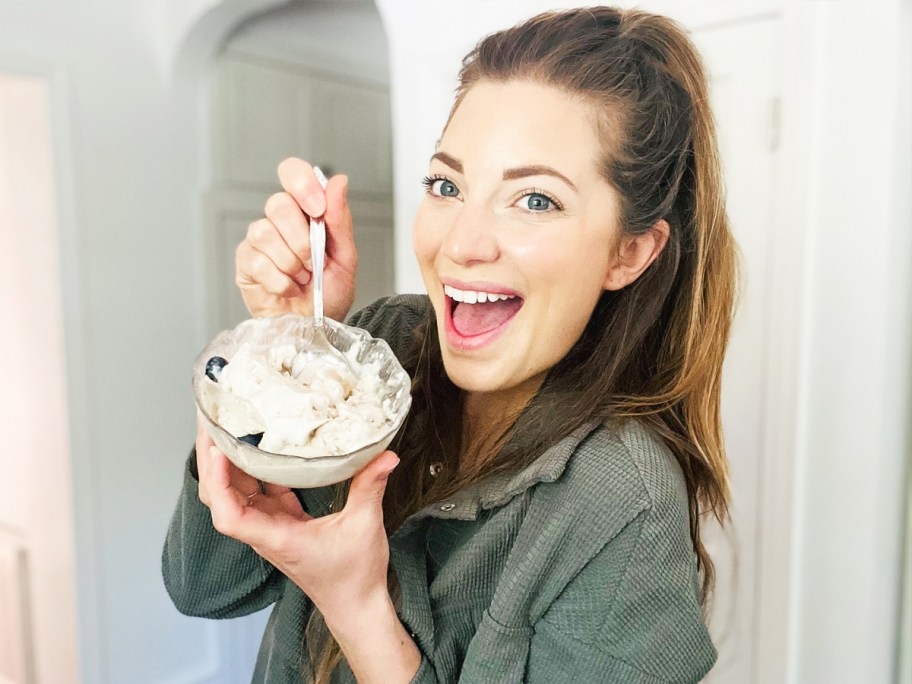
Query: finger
286, 500
293, 227
203, 440
266, 237
275, 490
255, 268
226, 503
286, 504
368, 486
204, 459
340, 239
220, 467
298, 179
253, 520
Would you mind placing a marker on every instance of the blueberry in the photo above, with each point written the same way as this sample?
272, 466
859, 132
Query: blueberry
253, 439
214, 367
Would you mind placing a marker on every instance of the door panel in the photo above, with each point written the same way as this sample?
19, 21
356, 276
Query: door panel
262, 115
352, 135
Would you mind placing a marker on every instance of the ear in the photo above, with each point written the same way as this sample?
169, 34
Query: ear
635, 253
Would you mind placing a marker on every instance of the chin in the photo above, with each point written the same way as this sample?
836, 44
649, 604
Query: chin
470, 375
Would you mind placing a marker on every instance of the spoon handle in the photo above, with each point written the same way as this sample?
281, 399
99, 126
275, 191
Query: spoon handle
317, 254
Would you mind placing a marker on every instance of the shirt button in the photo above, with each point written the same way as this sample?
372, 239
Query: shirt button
447, 507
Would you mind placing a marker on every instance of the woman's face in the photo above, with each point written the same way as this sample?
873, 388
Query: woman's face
515, 208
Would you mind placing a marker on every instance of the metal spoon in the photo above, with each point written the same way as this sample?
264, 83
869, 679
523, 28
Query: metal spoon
319, 345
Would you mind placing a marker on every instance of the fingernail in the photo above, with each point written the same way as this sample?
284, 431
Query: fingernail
390, 470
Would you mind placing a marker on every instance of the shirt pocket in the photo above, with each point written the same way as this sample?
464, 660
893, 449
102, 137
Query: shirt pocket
497, 652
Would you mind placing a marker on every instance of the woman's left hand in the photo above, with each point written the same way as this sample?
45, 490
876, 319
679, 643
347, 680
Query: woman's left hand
339, 560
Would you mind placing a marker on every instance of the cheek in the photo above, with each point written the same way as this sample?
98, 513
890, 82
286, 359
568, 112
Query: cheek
566, 269
579, 258
554, 261
536, 255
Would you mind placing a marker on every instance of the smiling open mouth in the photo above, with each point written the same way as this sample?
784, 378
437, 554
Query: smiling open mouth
473, 313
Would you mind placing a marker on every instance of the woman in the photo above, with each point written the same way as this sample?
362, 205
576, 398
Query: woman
543, 524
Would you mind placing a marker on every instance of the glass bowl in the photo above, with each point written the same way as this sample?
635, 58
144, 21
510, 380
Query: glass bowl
301, 471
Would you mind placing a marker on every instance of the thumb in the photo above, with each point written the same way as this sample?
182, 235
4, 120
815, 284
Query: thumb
368, 486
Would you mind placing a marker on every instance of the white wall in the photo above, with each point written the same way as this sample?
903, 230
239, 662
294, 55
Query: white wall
127, 149
124, 160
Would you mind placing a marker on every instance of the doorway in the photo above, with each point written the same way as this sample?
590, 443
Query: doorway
309, 80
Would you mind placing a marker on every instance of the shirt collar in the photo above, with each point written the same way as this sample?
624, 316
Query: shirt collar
499, 489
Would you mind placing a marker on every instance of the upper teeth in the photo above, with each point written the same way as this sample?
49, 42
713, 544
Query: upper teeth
474, 296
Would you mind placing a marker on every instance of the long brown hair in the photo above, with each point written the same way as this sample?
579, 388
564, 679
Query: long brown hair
652, 350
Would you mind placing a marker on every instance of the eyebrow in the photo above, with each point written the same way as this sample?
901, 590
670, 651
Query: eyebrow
536, 170
454, 164
508, 174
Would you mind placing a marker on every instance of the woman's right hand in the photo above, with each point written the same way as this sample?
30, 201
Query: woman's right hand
273, 264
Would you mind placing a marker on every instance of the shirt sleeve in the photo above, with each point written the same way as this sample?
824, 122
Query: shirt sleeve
425, 674
206, 573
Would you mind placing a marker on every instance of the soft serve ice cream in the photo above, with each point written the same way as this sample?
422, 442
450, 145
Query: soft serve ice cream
302, 406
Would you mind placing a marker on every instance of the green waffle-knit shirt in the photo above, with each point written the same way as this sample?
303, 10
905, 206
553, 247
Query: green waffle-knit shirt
579, 568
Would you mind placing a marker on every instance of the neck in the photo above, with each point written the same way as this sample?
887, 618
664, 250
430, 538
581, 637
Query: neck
487, 415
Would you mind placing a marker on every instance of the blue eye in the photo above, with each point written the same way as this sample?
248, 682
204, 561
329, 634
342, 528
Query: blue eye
446, 189
537, 202
441, 187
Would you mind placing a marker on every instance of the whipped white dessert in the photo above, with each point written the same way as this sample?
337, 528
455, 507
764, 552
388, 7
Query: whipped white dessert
303, 407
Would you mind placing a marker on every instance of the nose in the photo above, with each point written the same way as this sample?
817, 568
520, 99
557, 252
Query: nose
471, 238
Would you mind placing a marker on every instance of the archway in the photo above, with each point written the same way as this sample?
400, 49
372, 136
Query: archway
338, 103
227, 63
